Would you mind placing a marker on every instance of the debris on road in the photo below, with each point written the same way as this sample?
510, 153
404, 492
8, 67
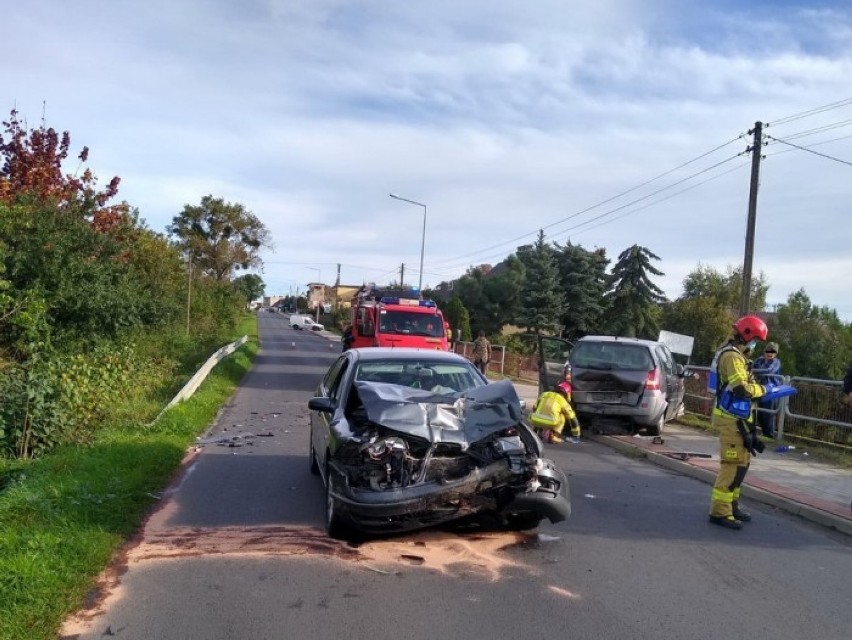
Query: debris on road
227, 440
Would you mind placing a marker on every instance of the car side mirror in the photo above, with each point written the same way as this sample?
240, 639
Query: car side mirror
325, 405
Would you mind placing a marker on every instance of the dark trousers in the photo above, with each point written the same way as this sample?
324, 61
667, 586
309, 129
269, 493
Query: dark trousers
766, 420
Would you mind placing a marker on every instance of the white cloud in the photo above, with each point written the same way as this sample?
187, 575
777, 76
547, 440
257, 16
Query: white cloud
502, 117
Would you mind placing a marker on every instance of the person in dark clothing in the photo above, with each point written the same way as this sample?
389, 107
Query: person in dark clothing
847, 386
767, 370
347, 338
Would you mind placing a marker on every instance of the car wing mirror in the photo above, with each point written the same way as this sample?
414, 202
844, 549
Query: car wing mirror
325, 405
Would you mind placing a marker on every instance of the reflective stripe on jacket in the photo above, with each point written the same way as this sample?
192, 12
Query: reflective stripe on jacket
551, 410
733, 373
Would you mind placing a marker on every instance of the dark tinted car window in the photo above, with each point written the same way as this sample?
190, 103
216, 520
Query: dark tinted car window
612, 355
445, 377
333, 375
665, 359
410, 323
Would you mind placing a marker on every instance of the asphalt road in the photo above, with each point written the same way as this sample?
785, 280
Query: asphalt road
236, 550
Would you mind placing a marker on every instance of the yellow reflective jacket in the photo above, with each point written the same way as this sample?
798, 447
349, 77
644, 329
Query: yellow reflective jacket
733, 372
551, 411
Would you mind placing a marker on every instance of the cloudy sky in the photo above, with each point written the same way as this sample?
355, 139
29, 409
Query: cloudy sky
604, 122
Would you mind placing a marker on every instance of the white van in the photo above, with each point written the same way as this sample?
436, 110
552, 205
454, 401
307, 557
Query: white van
298, 321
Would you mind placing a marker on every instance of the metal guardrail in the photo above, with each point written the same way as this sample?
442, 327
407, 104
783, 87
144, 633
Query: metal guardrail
815, 413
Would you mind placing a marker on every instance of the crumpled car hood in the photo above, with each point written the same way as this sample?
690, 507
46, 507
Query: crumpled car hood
460, 419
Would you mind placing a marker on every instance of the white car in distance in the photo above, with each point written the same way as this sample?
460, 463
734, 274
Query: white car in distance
298, 321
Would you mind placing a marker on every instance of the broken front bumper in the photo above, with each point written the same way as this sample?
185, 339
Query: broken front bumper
437, 502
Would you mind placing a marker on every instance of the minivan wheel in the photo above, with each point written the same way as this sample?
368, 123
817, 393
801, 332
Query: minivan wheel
657, 428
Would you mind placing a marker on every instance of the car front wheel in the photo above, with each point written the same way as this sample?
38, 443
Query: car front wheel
313, 461
336, 524
522, 521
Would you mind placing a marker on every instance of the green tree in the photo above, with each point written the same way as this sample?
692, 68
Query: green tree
250, 286
542, 300
457, 315
584, 282
220, 237
491, 296
634, 299
812, 339
89, 283
726, 288
703, 319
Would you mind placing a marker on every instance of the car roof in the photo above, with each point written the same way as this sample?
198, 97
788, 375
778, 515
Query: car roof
624, 339
368, 354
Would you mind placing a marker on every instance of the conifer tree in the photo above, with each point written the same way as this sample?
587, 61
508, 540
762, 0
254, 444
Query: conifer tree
634, 298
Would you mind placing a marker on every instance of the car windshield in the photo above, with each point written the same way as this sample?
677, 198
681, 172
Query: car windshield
611, 355
410, 323
437, 377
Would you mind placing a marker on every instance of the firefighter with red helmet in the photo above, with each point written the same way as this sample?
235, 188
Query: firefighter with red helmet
736, 393
552, 411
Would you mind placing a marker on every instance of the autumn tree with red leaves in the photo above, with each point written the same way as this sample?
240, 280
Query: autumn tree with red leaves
32, 169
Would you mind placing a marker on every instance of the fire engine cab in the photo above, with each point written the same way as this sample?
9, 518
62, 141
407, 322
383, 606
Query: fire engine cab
396, 318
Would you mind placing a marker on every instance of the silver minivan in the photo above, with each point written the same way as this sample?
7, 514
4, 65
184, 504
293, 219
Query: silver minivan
632, 381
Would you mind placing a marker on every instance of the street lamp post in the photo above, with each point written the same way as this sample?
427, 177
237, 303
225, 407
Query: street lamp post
423, 237
319, 279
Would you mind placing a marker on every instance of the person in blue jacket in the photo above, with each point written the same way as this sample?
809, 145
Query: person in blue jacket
767, 370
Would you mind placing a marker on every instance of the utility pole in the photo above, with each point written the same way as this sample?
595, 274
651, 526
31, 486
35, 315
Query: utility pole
756, 148
401, 274
188, 292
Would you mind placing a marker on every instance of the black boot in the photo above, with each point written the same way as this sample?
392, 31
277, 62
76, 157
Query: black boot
729, 522
739, 514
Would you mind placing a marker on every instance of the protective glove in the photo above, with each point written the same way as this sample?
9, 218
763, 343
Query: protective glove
769, 387
757, 445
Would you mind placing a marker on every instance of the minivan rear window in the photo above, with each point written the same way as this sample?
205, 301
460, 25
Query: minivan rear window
611, 355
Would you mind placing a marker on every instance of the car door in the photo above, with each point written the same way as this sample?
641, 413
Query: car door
322, 436
553, 354
674, 382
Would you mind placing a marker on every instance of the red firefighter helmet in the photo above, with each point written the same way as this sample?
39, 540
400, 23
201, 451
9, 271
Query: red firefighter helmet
564, 387
750, 328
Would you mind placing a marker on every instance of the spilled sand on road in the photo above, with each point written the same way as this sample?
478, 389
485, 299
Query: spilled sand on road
480, 555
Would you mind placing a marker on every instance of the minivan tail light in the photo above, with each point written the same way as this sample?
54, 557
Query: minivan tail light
652, 383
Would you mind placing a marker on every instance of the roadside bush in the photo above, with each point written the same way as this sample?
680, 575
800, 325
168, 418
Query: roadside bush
63, 399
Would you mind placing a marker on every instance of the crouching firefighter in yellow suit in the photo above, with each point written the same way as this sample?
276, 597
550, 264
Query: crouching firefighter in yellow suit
552, 411
734, 413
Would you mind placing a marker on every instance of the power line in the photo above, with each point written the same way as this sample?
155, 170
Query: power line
815, 144
624, 206
668, 197
811, 112
590, 208
816, 153
821, 129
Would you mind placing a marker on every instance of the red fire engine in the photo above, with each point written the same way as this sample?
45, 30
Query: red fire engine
396, 318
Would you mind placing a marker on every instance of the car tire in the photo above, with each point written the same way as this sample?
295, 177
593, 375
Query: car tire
313, 461
336, 523
657, 428
522, 521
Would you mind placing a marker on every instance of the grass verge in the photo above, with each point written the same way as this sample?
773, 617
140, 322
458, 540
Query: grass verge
62, 517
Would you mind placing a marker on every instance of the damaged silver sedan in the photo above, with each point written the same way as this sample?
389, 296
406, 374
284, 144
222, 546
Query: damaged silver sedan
409, 438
